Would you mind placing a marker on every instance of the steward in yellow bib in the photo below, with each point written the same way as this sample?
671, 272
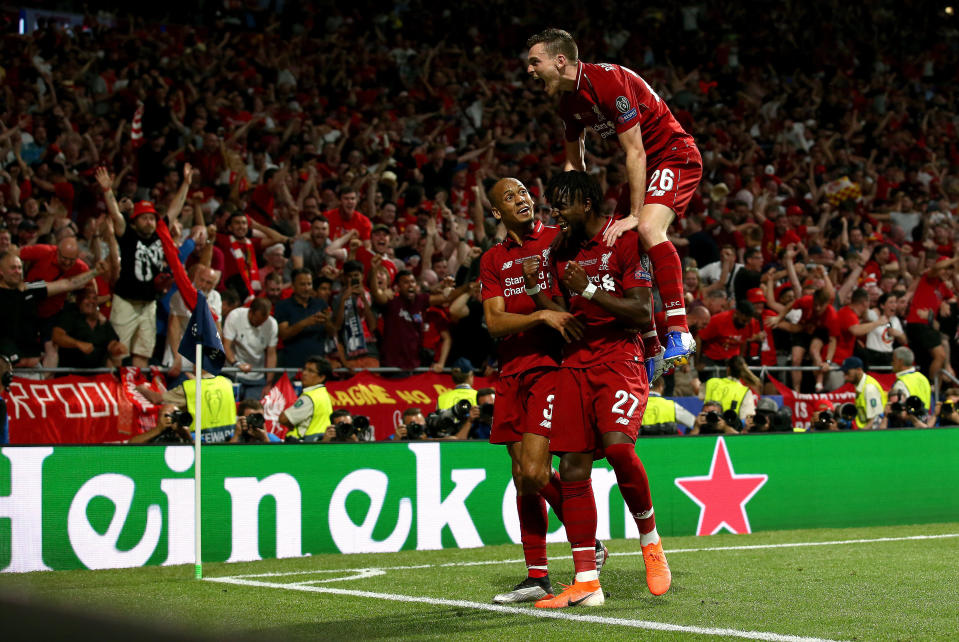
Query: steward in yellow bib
462, 389
219, 405
870, 397
219, 408
309, 417
663, 416
736, 391
909, 381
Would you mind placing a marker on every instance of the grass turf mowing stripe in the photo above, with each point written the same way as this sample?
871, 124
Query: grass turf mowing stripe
532, 612
745, 547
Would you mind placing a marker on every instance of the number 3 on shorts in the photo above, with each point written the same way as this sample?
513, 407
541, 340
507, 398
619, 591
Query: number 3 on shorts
623, 397
666, 180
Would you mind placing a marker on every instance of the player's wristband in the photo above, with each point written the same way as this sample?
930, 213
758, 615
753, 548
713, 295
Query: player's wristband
533, 291
589, 291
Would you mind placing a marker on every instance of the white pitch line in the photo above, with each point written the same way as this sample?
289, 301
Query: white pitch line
745, 547
532, 612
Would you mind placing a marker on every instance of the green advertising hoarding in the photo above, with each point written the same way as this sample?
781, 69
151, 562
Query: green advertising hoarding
124, 506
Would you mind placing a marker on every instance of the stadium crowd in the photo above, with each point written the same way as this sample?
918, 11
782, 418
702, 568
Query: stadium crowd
323, 176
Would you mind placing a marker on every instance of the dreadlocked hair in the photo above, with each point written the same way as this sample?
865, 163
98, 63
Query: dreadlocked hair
574, 187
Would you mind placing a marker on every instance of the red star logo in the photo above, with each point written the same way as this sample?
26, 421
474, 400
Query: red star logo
722, 494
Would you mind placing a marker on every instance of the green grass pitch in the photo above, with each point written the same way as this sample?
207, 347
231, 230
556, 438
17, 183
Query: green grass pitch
895, 583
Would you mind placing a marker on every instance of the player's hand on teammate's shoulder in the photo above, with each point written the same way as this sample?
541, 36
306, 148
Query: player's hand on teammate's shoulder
565, 323
618, 228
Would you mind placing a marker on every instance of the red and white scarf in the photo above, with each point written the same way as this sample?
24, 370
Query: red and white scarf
240, 249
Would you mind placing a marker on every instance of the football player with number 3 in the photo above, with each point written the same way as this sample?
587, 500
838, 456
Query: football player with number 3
528, 356
663, 166
601, 385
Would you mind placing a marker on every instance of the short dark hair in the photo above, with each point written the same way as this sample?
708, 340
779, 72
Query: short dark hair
273, 276
883, 298
336, 414
345, 189
555, 41
261, 304
460, 376
352, 266
298, 271
251, 404
234, 214
320, 218
270, 173
230, 296
577, 187
323, 280
859, 295
401, 274
410, 412
746, 308
751, 252
323, 366
820, 296
482, 392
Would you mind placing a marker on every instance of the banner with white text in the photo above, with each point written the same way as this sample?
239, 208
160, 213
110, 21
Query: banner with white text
70, 507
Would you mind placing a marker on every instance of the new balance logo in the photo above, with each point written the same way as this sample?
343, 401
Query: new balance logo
623, 420
546, 424
507, 265
658, 192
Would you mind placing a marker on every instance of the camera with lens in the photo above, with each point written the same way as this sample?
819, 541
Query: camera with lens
444, 423
344, 430
825, 418
355, 281
414, 431
848, 411
712, 418
947, 408
181, 418
256, 421
363, 427
486, 413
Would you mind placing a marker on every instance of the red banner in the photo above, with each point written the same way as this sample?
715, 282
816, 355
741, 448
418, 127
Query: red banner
384, 400
803, 404
105, 408
69, 410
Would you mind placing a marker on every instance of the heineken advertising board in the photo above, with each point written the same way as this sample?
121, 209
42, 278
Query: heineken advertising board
93, 507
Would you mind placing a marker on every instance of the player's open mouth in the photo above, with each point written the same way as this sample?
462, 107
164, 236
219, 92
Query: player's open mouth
563, 223
523, 210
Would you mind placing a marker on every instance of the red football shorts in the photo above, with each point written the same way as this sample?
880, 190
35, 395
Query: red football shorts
524, 403
671, 179
610, 397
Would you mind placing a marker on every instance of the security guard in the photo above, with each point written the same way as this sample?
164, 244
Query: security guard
462, 389
870, 397
909, 381
662, 415
731, 392
309, 417
219, 405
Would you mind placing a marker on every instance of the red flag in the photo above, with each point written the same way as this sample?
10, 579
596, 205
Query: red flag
280, 397
183, 283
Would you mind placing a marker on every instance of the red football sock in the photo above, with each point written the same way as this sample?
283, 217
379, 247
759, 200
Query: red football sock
633, 484
552, 493
532, 528
579, 508
668, 272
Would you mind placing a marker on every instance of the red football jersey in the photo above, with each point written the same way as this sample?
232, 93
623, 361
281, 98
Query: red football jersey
930, 293
615, 270
845, 340
501, 274
721, 338
612, 99
809, 320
